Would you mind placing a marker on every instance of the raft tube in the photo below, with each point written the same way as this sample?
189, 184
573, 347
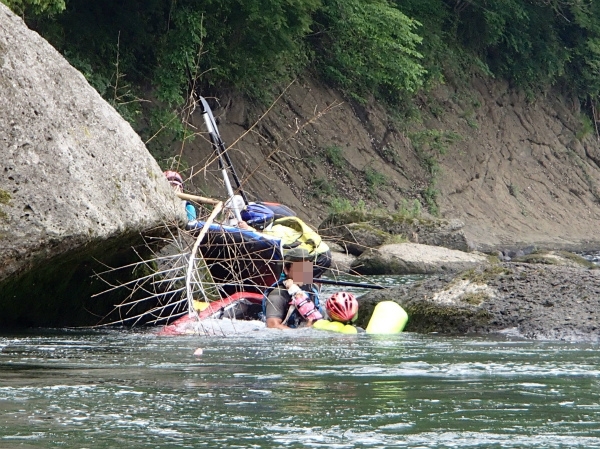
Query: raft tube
388, 318
335, 326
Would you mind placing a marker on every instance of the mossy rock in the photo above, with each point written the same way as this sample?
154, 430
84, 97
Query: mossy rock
427, 317
4, 197
422, 229
485, 275
356, 238
381, 220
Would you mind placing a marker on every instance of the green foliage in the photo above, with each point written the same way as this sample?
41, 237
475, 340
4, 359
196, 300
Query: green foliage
165, 128
36, 7
343, 205
179, 55
390, 154
369, 47
441, 53
388, 49
430, 195
322, 188
251, 45
177, 47
586, 127
395, 239
98, 80
435, 139
176, 163
534, 44
429, 144
410, 210
374, 178
533, 54
585, 66
335, 157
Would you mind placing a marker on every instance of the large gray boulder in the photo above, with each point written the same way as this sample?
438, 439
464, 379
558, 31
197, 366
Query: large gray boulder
77, 182
413, 258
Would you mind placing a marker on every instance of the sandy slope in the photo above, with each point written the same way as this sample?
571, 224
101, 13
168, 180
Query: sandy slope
513, 171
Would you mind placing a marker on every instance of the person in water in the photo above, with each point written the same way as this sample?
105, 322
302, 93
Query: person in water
294, 233
176, 182
294, 301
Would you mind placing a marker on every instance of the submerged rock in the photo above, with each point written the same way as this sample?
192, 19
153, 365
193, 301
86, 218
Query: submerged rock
77, 183
563, 258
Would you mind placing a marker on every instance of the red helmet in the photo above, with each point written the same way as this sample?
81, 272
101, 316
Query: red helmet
174, 178
342, 306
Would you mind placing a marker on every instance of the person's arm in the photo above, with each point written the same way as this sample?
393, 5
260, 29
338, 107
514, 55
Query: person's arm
245, 226
190, 210
276, 323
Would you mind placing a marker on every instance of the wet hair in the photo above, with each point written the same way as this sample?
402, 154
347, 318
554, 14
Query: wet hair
287, 265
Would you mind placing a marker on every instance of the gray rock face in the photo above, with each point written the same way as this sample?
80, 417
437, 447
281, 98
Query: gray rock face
413, 258
527, 300
341, 262
448, 234
72, 171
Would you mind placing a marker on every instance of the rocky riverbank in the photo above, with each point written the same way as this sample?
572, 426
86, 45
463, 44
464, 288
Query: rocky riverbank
557, 300
526, 292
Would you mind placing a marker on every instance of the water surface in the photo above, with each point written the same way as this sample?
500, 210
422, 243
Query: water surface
295, 389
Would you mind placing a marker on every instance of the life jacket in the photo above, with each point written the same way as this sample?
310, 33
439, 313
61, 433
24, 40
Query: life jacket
293, 233
295, 318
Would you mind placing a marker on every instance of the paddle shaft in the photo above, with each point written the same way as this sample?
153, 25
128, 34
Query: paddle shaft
197, 199
219, 147
347, 284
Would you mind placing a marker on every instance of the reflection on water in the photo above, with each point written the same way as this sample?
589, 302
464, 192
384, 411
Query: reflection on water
296, 389
592, 256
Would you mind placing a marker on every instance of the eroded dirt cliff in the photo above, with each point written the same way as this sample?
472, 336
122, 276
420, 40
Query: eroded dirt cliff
516, 171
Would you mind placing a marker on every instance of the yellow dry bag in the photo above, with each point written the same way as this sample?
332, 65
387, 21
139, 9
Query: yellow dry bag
388, 318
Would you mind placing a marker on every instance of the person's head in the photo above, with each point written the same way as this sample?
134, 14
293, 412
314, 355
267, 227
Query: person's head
174, 179
342, 306
298, 265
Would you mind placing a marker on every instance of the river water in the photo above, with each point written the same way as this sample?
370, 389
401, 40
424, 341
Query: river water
295, 389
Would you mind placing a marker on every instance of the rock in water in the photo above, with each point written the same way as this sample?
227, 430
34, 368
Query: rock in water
77, 182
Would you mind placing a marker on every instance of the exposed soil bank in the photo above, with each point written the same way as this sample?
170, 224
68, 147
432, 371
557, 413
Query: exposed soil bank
515, 172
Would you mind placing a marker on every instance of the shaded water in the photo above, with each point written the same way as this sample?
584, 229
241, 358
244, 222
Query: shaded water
293, 389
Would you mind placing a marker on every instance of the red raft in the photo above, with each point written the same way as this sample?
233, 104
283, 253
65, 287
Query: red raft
239, 306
